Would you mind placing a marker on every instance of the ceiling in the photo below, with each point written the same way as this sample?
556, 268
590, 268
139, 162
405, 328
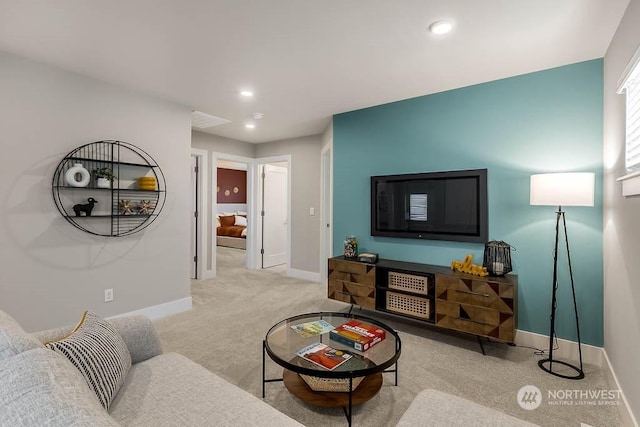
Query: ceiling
305, 60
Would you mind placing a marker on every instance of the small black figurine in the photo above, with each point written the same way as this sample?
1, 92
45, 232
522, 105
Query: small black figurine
86, 208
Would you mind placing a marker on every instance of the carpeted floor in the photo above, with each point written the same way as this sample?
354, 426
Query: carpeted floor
231, 315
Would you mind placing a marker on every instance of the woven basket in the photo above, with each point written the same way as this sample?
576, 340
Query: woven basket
330, 384
408, 304
409, 282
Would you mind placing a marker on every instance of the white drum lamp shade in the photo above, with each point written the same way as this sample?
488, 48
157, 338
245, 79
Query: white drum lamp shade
562, 189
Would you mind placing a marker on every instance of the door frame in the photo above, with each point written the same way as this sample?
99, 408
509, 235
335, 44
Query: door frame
202, 223
326, 209
252, 238
259, 163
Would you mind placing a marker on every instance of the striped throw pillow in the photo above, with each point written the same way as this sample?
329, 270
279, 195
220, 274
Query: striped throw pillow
97, 350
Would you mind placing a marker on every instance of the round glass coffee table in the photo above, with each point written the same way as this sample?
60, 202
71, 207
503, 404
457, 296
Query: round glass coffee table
303, 344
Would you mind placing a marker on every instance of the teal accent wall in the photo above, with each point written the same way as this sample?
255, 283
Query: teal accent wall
548, 121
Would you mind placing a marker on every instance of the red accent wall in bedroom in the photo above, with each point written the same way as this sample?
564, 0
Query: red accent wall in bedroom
232, 186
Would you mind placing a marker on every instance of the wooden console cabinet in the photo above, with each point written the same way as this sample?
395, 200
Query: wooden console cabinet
352, 282
483, 306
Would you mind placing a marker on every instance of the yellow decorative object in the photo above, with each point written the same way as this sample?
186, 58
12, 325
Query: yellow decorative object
467, 267
147, 183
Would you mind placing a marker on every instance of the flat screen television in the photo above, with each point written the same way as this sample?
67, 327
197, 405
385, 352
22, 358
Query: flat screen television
431, 206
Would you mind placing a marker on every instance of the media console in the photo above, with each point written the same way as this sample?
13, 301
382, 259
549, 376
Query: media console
482, 306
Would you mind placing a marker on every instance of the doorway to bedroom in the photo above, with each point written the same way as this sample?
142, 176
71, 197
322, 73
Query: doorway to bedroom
231, 214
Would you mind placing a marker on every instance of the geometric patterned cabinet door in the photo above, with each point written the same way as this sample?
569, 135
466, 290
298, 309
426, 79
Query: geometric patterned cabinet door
482, 306
352, 282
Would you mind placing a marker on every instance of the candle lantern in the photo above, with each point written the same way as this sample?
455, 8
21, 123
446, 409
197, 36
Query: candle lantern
497, 258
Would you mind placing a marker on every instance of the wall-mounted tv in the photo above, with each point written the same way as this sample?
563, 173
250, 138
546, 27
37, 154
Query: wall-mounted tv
431, 206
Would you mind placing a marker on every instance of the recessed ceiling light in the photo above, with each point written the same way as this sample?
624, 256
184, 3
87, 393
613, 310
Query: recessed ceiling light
246, 93
250, 125
440, 27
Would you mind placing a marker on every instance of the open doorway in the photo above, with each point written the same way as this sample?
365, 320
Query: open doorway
231, 218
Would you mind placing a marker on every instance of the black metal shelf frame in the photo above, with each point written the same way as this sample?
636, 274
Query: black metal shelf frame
122, 158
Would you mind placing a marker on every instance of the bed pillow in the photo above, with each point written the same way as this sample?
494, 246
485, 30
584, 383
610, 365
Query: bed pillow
96, 349
240, 220
244, 214
226, 221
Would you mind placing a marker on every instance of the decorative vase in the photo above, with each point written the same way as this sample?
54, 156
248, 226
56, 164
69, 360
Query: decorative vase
147, 183
350, 247
77, 176
103, 183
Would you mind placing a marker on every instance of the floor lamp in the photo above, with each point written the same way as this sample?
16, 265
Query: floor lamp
562, 189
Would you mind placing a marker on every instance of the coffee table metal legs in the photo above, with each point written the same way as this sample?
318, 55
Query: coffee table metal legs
264, 379
350, 412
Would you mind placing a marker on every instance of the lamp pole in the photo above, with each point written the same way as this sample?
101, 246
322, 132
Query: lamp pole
542, 363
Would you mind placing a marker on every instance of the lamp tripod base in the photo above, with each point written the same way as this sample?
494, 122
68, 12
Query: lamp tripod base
542, 364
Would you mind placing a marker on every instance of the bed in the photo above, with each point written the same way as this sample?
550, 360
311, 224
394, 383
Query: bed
231, 231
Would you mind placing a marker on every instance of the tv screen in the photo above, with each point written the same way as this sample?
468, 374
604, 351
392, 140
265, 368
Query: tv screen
432, 206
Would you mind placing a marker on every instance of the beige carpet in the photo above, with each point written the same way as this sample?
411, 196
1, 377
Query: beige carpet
231, 315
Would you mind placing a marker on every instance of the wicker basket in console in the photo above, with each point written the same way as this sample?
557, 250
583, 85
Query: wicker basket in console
409, 304
409, 282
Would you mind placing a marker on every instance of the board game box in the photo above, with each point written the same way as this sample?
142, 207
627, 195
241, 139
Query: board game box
358, 335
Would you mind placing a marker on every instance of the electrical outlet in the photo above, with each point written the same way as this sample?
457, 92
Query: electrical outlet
108, 295
312, 211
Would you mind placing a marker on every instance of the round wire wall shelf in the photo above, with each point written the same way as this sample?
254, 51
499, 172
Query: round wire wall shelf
125, 204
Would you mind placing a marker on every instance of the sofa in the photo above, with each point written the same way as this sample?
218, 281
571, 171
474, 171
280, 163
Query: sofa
39, 386
433, 408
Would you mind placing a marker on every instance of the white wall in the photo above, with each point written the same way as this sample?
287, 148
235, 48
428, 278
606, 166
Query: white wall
305, 193
220, 144
50, 271
621, 222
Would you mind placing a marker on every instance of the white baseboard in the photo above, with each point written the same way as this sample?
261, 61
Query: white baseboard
626, 416
304, 275
567, 350
161, 310
208, 274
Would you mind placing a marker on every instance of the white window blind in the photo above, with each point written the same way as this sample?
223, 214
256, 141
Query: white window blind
631, 88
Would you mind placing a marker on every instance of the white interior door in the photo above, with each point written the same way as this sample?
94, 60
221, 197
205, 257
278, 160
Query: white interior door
194, 217
274, 217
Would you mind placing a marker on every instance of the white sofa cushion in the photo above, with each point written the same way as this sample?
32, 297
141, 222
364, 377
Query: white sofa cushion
433, 408
41, 387
13, 339
156, 390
